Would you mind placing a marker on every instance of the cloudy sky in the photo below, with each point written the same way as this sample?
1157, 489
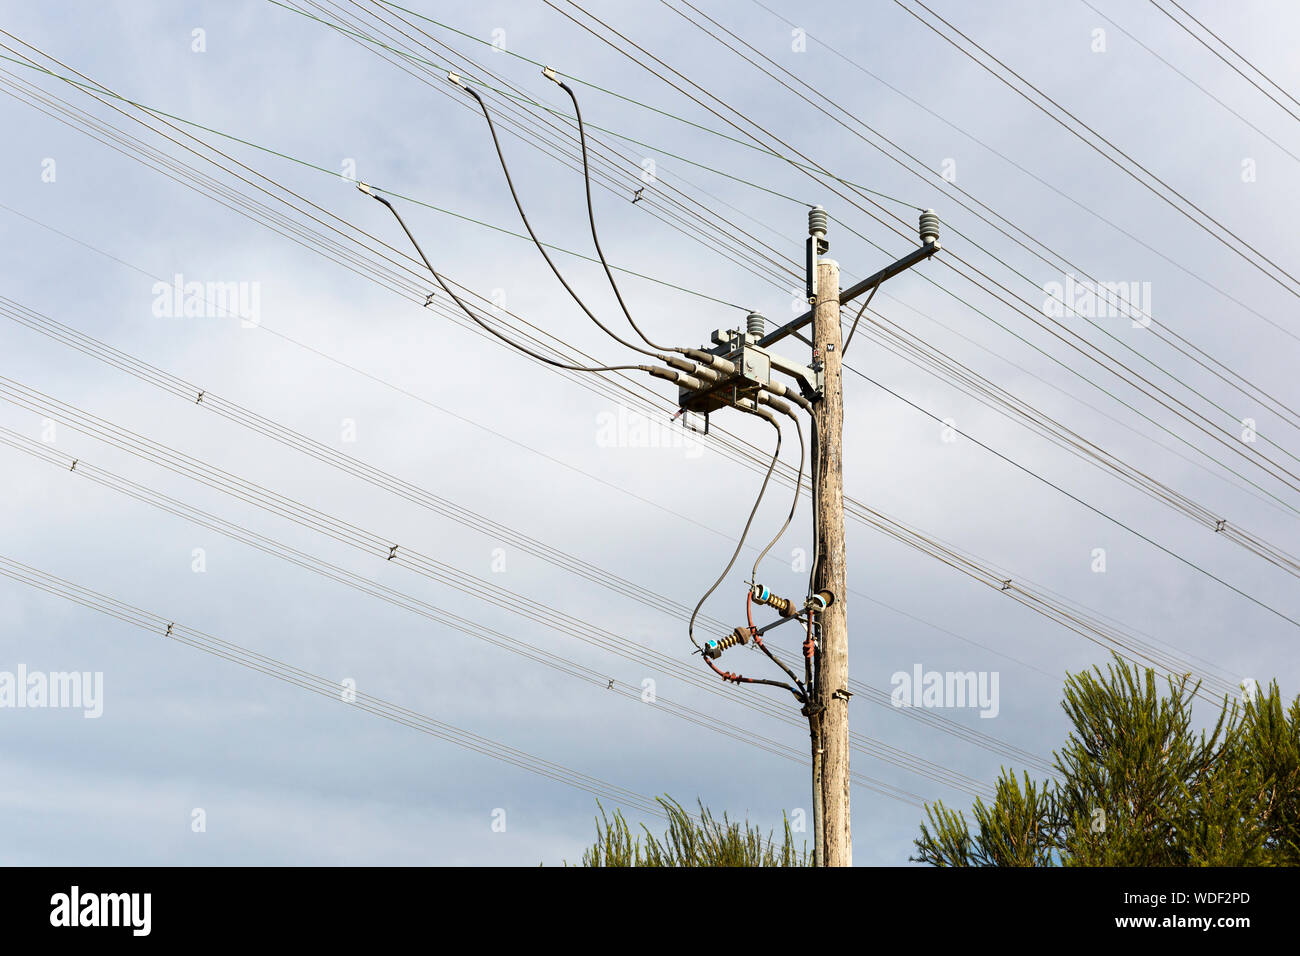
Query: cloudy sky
196, 760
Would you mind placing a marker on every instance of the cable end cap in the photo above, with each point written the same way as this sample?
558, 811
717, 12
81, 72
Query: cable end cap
820, 601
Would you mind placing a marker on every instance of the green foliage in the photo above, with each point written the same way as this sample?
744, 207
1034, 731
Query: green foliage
1014, 831
1139, 787
691, 840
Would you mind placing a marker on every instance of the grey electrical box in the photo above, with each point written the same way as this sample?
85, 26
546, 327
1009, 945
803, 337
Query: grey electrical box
753, 371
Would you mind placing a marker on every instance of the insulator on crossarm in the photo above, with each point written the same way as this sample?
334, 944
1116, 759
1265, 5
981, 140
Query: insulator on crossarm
782, 606
929, 227
818, 222
713, 649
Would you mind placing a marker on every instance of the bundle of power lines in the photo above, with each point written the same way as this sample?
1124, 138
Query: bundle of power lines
398, 40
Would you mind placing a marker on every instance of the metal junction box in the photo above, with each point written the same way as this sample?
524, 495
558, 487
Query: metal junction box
753, 370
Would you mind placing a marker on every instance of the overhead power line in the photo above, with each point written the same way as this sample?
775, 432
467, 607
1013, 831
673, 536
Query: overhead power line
179, 633
1162, 190
1193, 274
1023, 307
1087, 380
1189, 79
913, 540
1236, 69
568, 562
631, 691
849, 120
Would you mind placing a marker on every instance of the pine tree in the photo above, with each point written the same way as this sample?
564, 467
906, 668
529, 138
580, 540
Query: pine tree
691, 840
1138, 786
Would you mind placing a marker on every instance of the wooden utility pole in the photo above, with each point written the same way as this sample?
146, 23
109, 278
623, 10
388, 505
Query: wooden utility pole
740, 369
826, 705
831, 706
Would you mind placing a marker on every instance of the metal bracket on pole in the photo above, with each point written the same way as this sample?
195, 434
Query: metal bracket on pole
930, 245
753, 370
